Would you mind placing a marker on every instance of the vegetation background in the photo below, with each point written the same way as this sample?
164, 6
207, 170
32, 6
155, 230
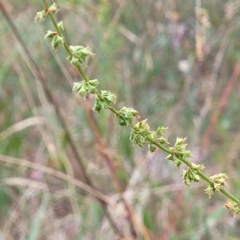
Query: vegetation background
176, 62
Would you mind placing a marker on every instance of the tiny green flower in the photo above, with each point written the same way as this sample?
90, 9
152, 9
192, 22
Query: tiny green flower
83, 88
55, 37
50, 34
209, 191
152, 148
57, 41
180, 145
234, 207
40, 16
142, 127
80, 54
219, 180
94, 83
154, 136
161, 130
140, 132
163, 140
103, 100
60, 26
137, 139
179, 152
192, 174
176, 161
52, 9
108, 97
80, 88
126, 115
74, 61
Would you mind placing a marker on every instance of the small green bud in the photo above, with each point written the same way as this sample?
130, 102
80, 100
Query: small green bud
140, 133
161, 130
40, 16
50, 34
103, 100
143, 127
176, 161
209, 191
80, 88
126, 115
57, 41
153, 135
234, 207
97, 107
180, 141
122, 121
137, 139
170, 157
152, 148
60, 26
219, 180
192, 174
197, 167
52, 8
163, 140
92, 85
80, 53
83, 88
94, 82
108, 96
74, 61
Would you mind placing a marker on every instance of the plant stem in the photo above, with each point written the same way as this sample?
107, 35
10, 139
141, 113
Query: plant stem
165, 149
131, 216
36, 71
66, 46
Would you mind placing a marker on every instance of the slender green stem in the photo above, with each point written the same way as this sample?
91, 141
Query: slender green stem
229, 195
202, 175
116, 112
189, 164
66, 46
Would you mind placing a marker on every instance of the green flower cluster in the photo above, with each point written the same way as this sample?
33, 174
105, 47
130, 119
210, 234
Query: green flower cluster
104, 100
57, 40
83, 88
125, 116
79, 55
219, 180
141, 134
179, 152
40, 16
192, 174
234, 207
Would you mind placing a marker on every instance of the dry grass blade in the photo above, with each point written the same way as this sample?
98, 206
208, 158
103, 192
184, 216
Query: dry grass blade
58, 174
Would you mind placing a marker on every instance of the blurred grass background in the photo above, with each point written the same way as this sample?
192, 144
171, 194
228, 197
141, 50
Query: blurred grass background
176, 62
